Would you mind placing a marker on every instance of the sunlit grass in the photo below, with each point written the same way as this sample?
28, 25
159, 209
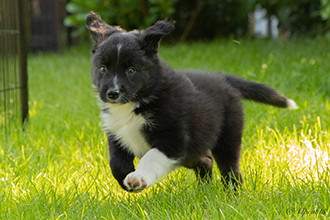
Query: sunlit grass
58, 167
299, 156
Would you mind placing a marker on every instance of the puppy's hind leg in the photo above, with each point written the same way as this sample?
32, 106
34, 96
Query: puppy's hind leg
228, 147
203, 168
227, 156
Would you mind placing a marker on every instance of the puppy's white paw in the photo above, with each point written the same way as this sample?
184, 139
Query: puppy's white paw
135, 182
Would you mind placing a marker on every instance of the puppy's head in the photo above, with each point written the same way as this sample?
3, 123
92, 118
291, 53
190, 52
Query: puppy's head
124, 64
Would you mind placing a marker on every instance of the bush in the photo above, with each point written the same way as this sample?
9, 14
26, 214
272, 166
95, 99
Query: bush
300, 17
129, 14
198, 19
201, 19
213, 18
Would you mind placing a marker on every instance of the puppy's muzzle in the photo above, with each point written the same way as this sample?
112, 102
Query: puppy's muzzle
113, 94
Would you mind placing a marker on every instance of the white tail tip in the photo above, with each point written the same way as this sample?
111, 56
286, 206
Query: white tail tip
292, 104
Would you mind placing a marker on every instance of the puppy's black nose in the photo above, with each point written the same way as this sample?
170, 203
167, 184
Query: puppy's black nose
113, 94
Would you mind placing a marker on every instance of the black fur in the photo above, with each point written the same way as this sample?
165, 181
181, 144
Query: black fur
191, 115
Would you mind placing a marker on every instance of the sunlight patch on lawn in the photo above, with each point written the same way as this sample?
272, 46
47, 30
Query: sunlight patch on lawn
301, 156
307, 161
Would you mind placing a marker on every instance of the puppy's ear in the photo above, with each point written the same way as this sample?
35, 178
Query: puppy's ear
99, 29
151, 37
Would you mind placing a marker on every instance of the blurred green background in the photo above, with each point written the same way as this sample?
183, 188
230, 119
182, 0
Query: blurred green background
64, 20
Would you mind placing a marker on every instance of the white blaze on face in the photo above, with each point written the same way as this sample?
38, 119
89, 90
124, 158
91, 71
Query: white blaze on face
118, 52
115, 82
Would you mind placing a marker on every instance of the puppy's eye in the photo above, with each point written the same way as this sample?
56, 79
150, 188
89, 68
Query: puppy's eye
103, 69
130, 70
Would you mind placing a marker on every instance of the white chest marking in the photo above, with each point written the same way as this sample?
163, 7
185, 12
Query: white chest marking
126, 126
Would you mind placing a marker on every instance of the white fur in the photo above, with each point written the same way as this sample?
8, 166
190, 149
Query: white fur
292, 104
118, 52
153, 165
115, 82
122, 122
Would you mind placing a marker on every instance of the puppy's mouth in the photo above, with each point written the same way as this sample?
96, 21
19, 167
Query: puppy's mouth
113, 102
118, 100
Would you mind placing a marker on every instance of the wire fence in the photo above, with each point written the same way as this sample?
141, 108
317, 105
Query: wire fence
13, 65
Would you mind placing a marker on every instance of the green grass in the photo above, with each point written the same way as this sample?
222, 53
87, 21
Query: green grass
58, 167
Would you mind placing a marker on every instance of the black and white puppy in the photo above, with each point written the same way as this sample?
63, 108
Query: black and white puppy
165, 117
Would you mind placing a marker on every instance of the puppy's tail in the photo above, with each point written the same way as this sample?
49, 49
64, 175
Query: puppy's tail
260, 93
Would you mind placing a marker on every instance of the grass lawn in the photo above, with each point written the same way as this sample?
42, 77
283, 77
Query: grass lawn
58, 167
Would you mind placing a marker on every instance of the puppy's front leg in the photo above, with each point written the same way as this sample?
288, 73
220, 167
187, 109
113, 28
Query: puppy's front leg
121, 162
153, 165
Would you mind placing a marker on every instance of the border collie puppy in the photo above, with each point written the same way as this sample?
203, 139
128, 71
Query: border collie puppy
165, 117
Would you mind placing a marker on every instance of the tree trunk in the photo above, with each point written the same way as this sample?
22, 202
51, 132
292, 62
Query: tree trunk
269, 28
192, 20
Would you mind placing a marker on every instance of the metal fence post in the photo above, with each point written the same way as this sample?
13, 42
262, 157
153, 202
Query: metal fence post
23, 7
